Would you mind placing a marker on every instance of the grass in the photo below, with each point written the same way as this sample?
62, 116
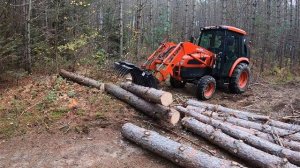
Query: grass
57, 114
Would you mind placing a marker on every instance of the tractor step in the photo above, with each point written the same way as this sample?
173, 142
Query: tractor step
139, 76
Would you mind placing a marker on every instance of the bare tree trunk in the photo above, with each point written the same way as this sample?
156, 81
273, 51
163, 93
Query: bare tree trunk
186, 21
28, 59
138, 29
121, 28
253, 156
168, 18
224, 11
151, 25
253, 28
194, 19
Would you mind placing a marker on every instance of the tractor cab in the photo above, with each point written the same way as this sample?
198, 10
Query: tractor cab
228, 43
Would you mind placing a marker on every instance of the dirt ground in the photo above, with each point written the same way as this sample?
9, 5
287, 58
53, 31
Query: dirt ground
46, 121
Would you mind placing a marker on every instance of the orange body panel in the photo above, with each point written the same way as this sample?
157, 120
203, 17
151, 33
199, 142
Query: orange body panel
169, 55
234, 29
239, 60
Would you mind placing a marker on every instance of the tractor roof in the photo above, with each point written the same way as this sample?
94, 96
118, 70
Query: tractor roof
231, 28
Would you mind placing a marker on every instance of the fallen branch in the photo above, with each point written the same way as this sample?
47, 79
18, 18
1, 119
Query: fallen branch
253, 156
177, 153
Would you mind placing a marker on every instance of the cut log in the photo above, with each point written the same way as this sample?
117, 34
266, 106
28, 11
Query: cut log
149, 94
244, 115
274, 149
157, 111
292, 135
283, 125
253, 156
239, 114
179, 154
81, 79
293, 145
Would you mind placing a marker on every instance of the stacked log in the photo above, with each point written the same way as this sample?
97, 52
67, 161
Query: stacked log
244, 115
238, 148
264, 145
157, 111
149, 94
293, 145
179, 154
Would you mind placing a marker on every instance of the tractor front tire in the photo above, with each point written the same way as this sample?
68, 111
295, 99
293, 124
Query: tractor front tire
240, 79
206, 87
176, 83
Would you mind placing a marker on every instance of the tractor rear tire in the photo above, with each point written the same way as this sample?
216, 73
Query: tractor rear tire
176, 83
206, 87
240, 79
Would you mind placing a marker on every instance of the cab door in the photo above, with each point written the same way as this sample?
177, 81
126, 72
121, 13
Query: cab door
232, 51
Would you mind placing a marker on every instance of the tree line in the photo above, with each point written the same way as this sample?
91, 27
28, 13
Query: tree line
55, 33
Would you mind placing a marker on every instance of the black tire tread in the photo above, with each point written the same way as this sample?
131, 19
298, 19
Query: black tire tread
233, 85
202, 84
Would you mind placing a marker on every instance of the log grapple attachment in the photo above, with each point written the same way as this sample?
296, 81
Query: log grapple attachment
139, 76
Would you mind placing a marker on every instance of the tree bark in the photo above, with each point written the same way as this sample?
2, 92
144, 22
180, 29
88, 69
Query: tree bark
239, 114
121, 28
81, 79
179, 154
293, 145
157, 111
292, 135
253, 156
264, 145
149, 94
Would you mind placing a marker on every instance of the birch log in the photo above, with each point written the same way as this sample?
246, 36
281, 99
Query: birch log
157, 111
149, 94
274, 149
179, 154
253, 156
293, 145
81, 79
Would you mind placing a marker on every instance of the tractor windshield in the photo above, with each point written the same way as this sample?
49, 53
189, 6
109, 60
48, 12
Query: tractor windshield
212, 40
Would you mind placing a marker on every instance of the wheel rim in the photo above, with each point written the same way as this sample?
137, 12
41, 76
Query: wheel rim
243, 80
209, 90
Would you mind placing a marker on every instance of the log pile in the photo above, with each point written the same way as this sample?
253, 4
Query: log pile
256, 139
157, 111
267, 142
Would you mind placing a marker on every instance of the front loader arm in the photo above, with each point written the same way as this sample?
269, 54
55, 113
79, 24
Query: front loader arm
174, 58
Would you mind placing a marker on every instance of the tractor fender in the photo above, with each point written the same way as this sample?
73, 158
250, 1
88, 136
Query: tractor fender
239, 60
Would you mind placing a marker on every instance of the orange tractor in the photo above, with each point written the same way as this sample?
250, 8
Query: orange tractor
219, 56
